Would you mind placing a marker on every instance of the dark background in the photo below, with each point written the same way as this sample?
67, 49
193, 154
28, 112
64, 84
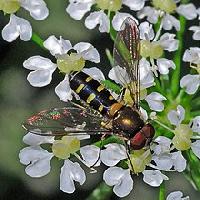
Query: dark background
18, 100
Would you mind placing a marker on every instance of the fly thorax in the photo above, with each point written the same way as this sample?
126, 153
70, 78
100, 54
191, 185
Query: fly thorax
127, 122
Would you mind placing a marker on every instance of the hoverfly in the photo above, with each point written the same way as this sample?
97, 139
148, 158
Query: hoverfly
114, 117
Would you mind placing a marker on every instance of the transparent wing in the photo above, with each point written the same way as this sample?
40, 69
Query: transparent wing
126, 54
64, 121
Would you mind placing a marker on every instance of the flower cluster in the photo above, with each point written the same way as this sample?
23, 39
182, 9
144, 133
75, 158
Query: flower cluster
19, 27
168, 100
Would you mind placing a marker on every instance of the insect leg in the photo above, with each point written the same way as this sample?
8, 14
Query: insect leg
128, 151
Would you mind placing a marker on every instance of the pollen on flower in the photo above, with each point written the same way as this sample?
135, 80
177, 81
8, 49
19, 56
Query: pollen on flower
139, 160
66, 146
9, 6
150, 49
112, 5
73, 62
168, 6
181, 140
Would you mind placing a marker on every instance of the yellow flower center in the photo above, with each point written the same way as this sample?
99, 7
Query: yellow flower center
181, 140
9, 6
111, 5
139, 160
73, 62
150, 49
168, 6
66, 146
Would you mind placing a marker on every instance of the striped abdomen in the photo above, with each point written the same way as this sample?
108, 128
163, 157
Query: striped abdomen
91, 91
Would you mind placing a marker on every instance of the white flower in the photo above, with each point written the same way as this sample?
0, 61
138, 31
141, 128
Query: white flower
38, 161
190, 83
164, 159
155, 101
153, 48
17, 27
90, 155
192, 55
77, 9
37, 8
120, 179
71, 172
177, 195
113, 154
196, 30
196, 148
154, 177
195, 124
152, 13
176, 117
42, 68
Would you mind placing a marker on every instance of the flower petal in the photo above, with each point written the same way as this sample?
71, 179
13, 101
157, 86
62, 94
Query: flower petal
151, 13
63, 90
176, 195
17, 27
95, 73
120, 179
163, 161
176, 117
98, 17
189, 11
195, 124
154, 101
34, 140
87, 51
192, 55
134, 4
113, 154
146, 31
56, 46
146, 74
37, 159
119, 75
71, 172
169, 22
163, 145
90, 154
179, 161
39, 62
40, 77
77, 9
168, 42
164, 65
37, 8
154, 177
119, 18
190, 83
195, 146
196, 30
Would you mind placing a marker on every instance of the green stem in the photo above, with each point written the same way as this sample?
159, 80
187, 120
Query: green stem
178, 58
162, 191
110, 57
192, 171
102, 192
38, 40
163, 125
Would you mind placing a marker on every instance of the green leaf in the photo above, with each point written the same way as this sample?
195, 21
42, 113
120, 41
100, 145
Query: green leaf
112, 86
102, 192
